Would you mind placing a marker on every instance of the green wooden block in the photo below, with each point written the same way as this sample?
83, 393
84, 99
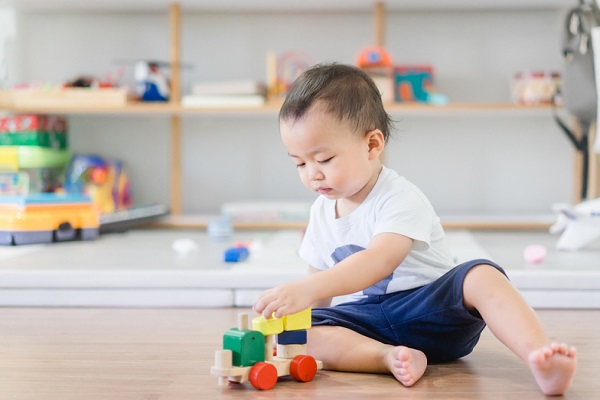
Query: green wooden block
248, 347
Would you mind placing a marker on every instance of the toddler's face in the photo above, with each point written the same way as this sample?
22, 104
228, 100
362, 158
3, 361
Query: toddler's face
332, 159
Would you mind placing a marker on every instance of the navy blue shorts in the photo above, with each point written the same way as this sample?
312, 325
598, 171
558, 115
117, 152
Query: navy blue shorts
431, 318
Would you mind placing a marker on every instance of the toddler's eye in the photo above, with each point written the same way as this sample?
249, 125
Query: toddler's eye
300, 165
325, 161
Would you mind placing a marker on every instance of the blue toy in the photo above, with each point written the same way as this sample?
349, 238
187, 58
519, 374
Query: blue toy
152, 84
236, 254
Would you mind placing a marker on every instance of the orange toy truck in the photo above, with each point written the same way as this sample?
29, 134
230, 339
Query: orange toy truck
47, 217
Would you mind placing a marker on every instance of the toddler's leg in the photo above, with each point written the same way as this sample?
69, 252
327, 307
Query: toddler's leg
342, 349
515, 324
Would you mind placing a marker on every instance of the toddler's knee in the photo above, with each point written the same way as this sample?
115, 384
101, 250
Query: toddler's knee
484, 271
479, 281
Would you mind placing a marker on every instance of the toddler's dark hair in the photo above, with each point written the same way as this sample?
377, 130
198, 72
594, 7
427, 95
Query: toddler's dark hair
347, 92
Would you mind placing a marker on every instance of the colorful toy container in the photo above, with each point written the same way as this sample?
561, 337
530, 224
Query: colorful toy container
44, 166
34, 130
47, 217
103, 180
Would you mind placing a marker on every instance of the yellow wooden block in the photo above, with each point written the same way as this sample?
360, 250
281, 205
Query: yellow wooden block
298, 321
271, 326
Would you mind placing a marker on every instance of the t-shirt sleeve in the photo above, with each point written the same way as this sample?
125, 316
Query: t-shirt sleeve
308, 250
408, 214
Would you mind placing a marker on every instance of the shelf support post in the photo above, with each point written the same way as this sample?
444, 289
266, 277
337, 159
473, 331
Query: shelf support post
379, 25
175, 46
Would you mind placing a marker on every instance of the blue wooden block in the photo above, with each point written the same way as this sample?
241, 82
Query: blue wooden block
292, 337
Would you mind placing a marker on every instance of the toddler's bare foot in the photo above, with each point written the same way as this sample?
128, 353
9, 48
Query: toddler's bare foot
553, 367
408, 365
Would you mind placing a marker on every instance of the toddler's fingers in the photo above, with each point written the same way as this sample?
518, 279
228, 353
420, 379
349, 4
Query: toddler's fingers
260, 304
270, 309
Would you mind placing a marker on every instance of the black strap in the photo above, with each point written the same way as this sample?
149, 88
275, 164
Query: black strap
581, 145
578, 144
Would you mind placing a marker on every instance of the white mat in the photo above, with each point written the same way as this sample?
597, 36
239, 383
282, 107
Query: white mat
139, 269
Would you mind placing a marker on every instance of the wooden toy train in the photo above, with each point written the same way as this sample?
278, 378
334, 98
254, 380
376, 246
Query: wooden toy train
247, 355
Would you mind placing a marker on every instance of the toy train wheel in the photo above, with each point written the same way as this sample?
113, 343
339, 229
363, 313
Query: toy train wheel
303, 368
263, 376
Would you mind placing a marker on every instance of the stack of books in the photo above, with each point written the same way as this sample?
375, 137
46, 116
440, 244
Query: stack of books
215, 94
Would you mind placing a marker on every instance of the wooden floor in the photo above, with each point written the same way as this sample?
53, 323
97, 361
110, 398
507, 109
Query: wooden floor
156, 354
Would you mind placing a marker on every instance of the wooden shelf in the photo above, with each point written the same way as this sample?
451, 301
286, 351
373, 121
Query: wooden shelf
175, 111
272, 108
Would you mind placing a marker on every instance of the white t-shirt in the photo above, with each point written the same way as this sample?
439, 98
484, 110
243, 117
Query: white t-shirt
394, 205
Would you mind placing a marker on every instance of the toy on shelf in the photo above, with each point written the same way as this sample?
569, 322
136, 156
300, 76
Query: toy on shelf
415, 83
247, 355
377, 63
103, 180
151, 81
109, 81
535, 87
402, 83
45, 218
282, 71
374, 57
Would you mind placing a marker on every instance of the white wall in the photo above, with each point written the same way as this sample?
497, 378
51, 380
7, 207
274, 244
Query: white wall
484, 163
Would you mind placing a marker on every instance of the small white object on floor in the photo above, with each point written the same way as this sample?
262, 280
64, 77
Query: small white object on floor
184, 246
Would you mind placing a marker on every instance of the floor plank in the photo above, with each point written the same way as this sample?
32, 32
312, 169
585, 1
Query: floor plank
157, 354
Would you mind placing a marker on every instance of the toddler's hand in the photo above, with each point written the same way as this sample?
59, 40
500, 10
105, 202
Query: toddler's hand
285, 299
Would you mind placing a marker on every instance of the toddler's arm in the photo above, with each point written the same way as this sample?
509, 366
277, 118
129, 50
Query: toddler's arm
357, 272
323, 302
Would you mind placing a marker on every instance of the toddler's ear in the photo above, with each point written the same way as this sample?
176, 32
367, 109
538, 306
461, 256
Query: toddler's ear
376, 143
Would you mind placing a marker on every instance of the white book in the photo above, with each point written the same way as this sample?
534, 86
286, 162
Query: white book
216, 101
245, 87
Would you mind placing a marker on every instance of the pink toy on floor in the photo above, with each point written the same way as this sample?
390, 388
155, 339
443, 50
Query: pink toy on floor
534, 254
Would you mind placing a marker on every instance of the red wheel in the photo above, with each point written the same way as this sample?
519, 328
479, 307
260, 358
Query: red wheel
263, 375
303, 368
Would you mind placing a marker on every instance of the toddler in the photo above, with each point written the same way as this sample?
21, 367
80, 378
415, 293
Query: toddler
374, 235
